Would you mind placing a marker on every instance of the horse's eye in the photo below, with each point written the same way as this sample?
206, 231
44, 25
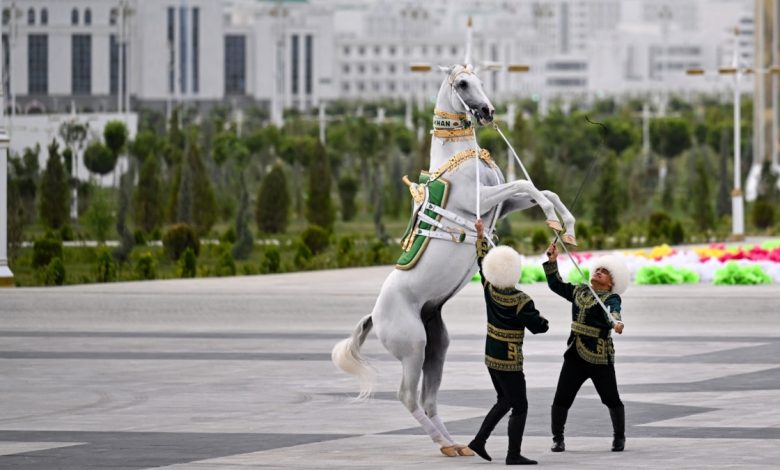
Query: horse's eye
463, 84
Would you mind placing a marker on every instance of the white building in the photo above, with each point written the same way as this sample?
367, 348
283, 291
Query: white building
290, 53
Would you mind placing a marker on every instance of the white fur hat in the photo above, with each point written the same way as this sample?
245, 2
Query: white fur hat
502, 267
617, 270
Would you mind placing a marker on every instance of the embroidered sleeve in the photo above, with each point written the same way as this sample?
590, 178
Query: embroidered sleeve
532, 319
613, 304
556, 284
482, 249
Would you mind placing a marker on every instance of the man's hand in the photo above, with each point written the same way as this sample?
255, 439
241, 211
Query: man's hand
619, 327
552, 252
480, 228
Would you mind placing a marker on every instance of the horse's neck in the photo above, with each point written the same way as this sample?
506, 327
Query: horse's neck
443, 149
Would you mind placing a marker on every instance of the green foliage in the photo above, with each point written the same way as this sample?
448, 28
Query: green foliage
139, 237
569, 139
763, 214
302, 255
658, 228
700, 196
204, 202
188, 264
348, 189
54, 195
126, 239
608, 202
146, 144
734, 274
146, 267
99, 216
178, 239
272, 260
99, 159
147, 195
243, 248
676, 233
227, 265
54, 274
115, 135
106, 266
315, 238
540, 239
319, 208
490, 140
227, 146
670, 136
229, 236
273, 202
46, 249
576, 278
665, 275
531, 274
66, 233
345, 252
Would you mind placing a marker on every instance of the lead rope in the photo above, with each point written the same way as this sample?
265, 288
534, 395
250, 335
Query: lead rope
557, 236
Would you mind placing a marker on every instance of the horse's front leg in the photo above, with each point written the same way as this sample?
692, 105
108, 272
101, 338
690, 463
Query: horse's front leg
568, 219
490, 196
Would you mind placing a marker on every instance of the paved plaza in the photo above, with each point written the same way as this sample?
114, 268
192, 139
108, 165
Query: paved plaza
235, 373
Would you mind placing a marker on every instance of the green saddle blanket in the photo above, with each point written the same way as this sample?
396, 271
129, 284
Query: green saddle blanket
415, 245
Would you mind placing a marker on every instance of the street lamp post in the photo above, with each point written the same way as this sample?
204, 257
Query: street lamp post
6, 276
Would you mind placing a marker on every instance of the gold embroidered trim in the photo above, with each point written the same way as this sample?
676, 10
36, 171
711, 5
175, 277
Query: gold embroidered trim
453, 133
459, 158
447, 115
507, 300
604, 349
550, 268
505, 335
511, 365
584, 299
587, 330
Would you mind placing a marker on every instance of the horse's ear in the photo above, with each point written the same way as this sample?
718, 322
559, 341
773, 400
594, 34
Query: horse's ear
447, 70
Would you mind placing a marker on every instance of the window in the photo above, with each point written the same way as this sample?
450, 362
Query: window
391, 50
31, 16
195, 51
361, 50
235, 65
87, 16
377, 50
74, 17
6, 66
361, 69
6, 16
81, 64
346, 50
308, 64
38, 64
112, 16
294, 63
114, 66
171, 51
345, 69
391, 68
44, 16
183, 48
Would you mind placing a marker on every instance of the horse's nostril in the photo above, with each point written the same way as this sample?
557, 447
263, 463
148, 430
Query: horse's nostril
486, 111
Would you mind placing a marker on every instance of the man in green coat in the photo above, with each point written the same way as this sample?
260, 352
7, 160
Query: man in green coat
590, 353
509, 312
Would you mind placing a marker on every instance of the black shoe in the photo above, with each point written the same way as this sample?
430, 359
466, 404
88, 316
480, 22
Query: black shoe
519, 460
618, 444
479, 449
558, 445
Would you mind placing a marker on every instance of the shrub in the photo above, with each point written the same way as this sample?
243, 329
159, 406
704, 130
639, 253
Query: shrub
188, 264
539, 240
106, 266
229, 236
178, 239
345, 252
676, 233
66, 233
139, 237
55, 273
272, 260
315, 238
146, 267
302, 255
658, 228
227, 265
45, 250
665, 275
763, 214
734, 274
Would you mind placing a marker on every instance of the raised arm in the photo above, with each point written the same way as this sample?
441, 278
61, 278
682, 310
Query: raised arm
613, 303
482, 247
532, 319
554, 281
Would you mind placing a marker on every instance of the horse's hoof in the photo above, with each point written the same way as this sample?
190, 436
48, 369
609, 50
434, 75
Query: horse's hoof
569, 240
450, 451
555, 225
464, 451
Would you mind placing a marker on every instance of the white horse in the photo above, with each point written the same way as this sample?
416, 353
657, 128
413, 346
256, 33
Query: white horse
407, 315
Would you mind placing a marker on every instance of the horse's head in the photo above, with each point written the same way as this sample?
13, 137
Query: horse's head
463, 86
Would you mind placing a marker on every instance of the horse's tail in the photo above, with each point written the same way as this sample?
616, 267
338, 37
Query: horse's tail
346, 356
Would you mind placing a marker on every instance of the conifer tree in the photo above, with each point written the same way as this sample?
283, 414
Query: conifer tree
319, 207
54, 194
146, 200
273, 202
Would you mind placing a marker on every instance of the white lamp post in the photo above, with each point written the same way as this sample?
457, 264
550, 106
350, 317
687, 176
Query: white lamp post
6, 276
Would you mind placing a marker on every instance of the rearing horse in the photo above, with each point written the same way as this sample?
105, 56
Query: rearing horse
407, 316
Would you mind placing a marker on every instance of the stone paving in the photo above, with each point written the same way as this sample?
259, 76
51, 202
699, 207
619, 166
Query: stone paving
235, 373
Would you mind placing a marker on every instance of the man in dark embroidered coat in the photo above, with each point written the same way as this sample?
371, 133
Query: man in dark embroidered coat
509, 312
590, 353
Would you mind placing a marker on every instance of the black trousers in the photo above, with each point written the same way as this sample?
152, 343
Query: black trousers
576, 371
510, 394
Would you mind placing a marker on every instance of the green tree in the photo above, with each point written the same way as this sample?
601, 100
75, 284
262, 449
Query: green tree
244, 243
670, 137
115, 135
54, 197
273, 202
99, 216
146, 143
147, 196
607, 197
319, 207
99, 159
348, 188
701, 195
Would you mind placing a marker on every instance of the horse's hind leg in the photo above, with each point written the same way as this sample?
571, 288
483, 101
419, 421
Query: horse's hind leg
435, 353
